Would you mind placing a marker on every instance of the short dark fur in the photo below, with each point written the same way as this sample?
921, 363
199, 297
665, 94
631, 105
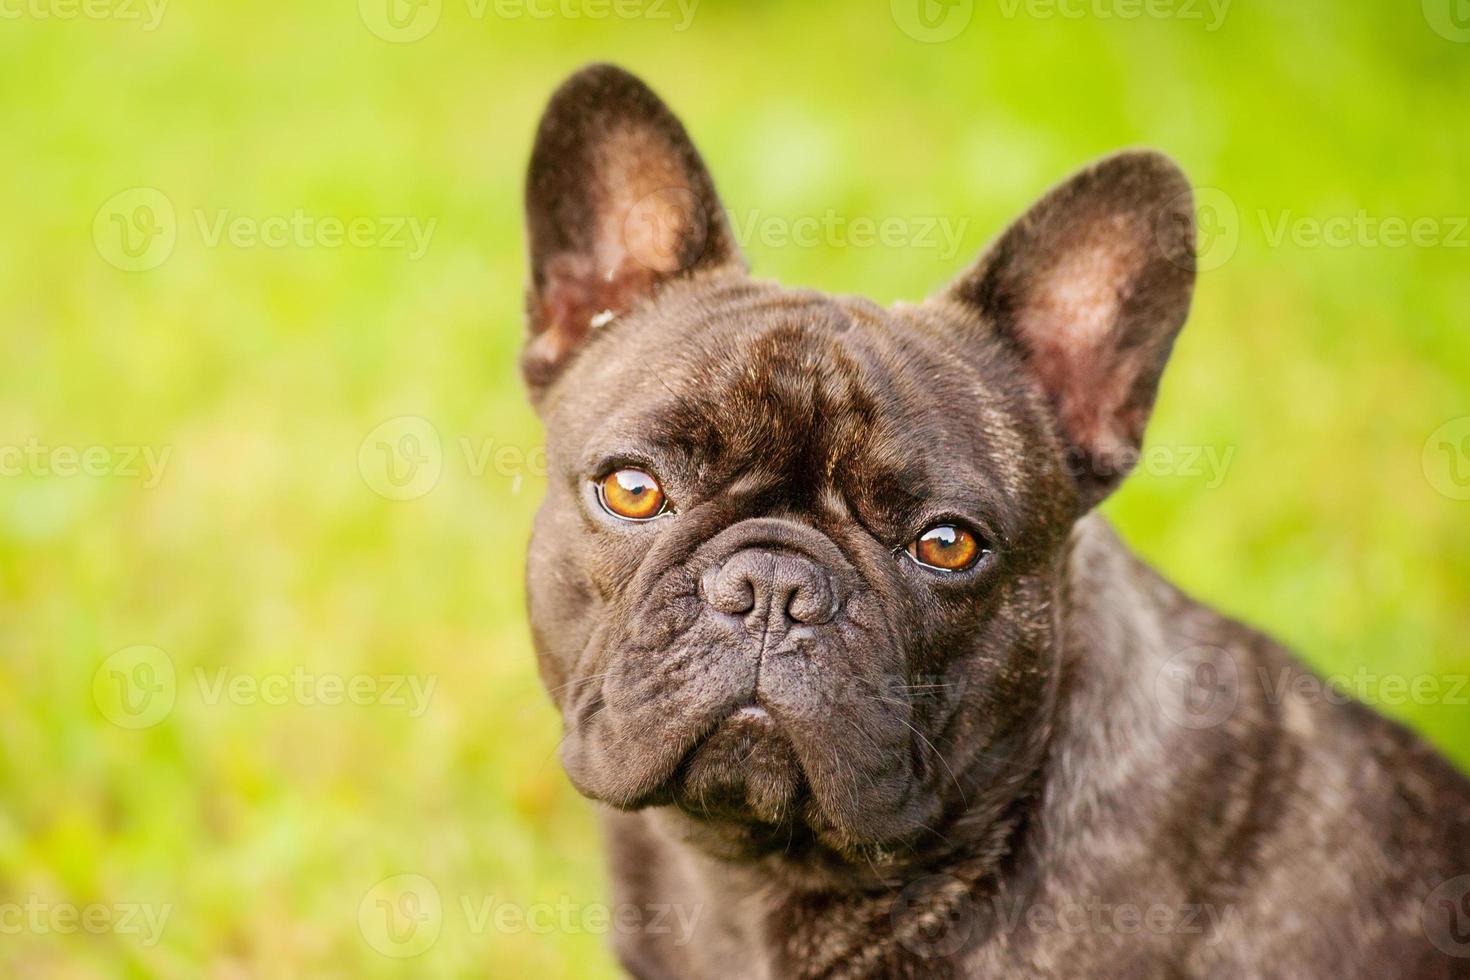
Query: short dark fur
938, 748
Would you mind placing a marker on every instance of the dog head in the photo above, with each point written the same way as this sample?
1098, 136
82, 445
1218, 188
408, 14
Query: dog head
799, 563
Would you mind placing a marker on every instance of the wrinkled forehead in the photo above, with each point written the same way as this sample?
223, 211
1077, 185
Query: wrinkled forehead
808, 390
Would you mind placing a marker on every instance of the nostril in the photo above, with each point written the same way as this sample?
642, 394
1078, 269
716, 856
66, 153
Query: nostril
812, 606
805, 590
728, 590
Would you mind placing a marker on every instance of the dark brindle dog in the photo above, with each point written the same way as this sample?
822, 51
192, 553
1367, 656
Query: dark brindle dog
865, 686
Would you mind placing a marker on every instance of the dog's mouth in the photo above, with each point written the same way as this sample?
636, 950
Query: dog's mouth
745, 769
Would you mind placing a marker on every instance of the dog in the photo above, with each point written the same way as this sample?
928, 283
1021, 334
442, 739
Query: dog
864, 685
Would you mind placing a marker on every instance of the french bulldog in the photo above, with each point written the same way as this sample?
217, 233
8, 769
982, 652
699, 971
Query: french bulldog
864, 685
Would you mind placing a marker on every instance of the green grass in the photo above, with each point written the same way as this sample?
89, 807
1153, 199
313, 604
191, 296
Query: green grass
1323, 369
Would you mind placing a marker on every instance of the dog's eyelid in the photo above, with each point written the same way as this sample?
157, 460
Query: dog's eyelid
599, 465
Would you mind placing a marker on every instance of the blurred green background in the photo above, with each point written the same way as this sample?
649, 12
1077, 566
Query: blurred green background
170, 741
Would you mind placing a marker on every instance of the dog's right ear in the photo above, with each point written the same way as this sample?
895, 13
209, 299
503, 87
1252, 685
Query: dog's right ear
1090, 288
618, 202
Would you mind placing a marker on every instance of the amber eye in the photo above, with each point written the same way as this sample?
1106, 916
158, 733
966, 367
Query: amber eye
947, 548
632, 495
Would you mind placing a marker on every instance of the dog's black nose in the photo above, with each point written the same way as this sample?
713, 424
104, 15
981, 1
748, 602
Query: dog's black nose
776, 587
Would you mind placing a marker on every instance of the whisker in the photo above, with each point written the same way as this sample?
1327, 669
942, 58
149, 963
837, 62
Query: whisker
937, 754
580, 681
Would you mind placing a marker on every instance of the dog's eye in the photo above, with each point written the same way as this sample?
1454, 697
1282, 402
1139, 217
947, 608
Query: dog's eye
946, 547
632, 495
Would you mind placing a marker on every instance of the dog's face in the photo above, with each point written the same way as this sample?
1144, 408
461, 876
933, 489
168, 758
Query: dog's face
798, 567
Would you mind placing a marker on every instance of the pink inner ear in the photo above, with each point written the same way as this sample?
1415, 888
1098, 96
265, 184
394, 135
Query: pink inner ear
648, 224
648, 213
1068, 321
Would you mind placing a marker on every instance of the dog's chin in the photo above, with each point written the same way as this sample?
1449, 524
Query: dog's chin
742, 793
745, 770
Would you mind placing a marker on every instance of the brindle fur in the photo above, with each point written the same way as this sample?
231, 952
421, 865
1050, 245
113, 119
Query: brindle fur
947, 751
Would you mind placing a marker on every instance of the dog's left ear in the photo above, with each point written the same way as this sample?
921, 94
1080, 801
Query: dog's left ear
1090, 287
618, 202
